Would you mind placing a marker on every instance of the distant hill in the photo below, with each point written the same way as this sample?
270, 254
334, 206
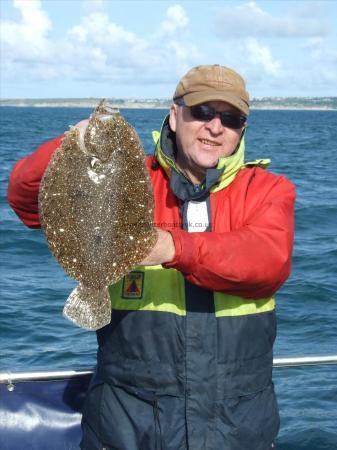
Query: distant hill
295, 103
89, 102
300, 103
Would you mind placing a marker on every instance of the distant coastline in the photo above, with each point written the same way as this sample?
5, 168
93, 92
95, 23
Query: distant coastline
267, 103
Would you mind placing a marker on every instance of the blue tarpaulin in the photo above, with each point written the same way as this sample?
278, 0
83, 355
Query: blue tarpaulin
38, 415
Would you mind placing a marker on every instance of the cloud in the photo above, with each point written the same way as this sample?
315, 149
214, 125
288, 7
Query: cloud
96, 52
312, 43
260, 55
321, 51
93, 4
250, 20
293, 52
176, 19
27, 38
96, 48
96, 29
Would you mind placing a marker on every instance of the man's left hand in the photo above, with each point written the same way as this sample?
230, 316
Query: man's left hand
163, 251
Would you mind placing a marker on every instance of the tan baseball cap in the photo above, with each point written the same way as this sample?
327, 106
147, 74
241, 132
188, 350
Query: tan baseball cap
214, 82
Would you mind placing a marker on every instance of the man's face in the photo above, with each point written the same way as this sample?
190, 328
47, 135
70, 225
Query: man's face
201, 144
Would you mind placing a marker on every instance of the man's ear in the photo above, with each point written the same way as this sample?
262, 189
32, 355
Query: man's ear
173, 117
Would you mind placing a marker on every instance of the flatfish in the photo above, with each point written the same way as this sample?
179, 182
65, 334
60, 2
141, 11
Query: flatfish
96, 209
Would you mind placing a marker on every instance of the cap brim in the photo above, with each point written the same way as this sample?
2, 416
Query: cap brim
195, 98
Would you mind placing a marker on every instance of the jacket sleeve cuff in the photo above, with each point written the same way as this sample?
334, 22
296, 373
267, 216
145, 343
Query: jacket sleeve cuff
185, 253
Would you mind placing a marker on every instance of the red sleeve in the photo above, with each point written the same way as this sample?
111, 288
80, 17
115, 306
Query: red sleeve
24, 182
252, 261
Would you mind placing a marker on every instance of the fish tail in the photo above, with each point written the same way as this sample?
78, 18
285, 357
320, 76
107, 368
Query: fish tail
88, 308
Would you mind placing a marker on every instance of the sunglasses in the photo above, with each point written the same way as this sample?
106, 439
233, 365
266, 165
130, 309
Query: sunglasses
206, 113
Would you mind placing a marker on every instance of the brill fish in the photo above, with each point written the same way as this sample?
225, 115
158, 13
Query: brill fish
96, 209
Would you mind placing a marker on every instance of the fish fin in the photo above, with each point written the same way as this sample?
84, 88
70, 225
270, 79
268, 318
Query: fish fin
88, 308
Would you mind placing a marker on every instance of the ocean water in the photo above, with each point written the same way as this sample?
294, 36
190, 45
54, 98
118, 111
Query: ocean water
302, 146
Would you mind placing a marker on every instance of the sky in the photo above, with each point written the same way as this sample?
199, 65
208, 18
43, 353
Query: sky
140, 49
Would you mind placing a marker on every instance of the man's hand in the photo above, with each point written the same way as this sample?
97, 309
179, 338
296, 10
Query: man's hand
82, 125
162, 252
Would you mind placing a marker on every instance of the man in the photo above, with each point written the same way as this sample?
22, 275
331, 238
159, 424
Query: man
186, 363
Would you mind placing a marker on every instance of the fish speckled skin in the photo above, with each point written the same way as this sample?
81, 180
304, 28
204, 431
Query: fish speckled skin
96, 209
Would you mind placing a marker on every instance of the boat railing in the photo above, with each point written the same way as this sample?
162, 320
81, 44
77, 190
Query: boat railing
305, 361
10, 378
